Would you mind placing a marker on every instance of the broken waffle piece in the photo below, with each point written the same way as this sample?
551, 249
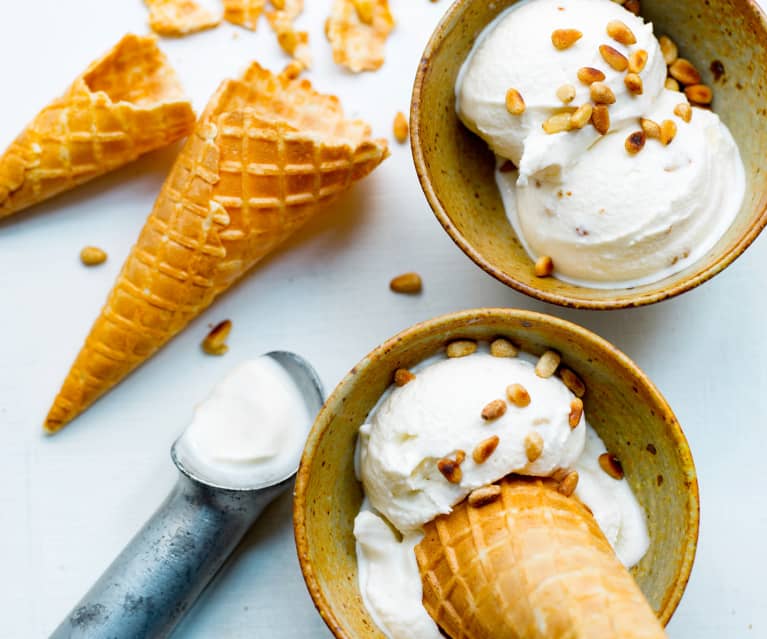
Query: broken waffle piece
357, 31
126, 104
179, 17
295, 43
244, 13
267, 155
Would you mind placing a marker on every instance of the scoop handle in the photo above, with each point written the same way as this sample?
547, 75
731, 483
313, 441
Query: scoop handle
162, 571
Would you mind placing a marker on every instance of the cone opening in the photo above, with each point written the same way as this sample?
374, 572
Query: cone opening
135, 71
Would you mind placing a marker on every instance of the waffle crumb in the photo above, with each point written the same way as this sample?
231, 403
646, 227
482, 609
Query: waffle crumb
565, 38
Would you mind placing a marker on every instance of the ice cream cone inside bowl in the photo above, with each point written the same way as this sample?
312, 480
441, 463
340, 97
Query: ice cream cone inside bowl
623, 406
725, 41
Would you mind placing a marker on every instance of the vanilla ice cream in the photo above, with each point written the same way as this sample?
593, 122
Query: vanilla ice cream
607, 218
438, 415
250, 431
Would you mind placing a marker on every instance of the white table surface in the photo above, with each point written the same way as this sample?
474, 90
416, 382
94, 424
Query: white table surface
68, 504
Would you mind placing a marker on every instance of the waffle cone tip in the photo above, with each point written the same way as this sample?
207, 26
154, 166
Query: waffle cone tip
268, 153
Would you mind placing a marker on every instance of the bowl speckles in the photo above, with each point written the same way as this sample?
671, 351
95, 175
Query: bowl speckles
622, 404
725, 39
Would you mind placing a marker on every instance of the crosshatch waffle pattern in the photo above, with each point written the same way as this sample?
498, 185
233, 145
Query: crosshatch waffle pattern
532, 565
97, 126
257, 167
245, 13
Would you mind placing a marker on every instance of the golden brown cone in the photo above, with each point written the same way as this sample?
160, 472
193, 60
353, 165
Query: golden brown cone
126, 104
213, 220
531, 565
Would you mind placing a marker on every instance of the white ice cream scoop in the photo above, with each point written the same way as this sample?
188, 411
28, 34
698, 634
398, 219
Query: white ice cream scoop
240, 452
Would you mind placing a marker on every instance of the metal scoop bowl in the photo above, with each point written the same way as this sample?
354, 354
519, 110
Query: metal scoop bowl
162, 571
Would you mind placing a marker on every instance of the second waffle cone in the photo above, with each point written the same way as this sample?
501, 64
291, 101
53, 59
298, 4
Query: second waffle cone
267, 154
532, 565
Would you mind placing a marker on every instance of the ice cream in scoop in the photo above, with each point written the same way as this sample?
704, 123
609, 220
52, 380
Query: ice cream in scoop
620, 181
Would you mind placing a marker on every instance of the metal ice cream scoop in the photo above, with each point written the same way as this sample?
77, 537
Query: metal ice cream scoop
162, 571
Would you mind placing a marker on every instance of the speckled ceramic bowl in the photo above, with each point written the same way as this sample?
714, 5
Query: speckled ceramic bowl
456, 168
625, 408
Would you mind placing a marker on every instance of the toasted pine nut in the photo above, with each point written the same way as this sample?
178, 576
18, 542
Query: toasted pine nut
450, 469
672, 85
544, 267
633, 6
684, 111
401, 128
494, 410
576, 412
518, 395
484, 496
484, 449
407, 283
635, 142
651, 128
589, 75
92, 256
565, 38
667, 131
582, 116
548, 364
503, 348
572, 381
669, 50
461, 348
533, 446
602, 94
620, 32
215, 341
611, 465
600, 118
634, 84
515, 104
403, 376
638, 61
557, 123
613, 57
570, 482
566, 93
699, 94
684, 71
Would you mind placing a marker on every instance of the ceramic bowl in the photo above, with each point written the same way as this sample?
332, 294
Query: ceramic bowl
456, 168
622, 404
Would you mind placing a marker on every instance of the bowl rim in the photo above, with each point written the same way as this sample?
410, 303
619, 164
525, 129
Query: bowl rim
624, 298
474, 317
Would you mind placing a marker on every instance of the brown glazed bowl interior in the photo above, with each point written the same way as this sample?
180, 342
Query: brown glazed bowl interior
456, 168
624, 407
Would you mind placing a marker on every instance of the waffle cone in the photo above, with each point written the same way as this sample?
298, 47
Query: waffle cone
126, 104
267, 154
531, 565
